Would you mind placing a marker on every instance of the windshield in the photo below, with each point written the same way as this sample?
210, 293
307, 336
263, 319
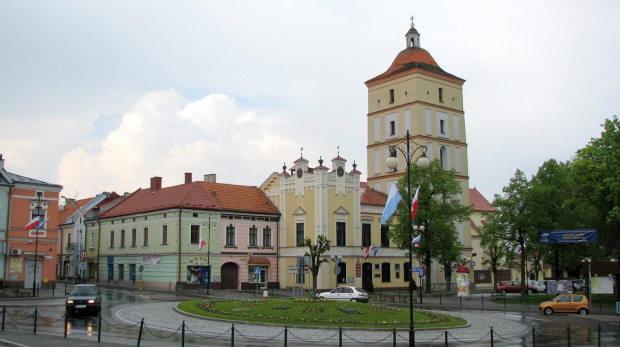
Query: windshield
556, 298
80, 291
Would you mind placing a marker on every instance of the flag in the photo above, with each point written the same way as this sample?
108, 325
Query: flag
249, 255
33, 223
393, 199
377, 249
201, 244
416, 240
368, 250
42, 224
414, 204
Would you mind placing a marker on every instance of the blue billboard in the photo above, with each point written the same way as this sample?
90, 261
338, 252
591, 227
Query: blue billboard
567, 236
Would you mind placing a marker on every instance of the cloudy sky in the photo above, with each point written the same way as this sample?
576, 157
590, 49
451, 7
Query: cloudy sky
102, 95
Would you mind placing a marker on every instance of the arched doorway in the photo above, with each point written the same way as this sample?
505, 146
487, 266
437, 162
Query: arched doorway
230, 276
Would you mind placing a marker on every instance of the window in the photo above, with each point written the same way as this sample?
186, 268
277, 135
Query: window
164, 234
391, 96
407, 271
145, 235
230, 236
68, 240
92, 240
134, 237
386, 274
392, 128
267, 237
385, 242
341, 231
112, 239
122, 238
443, 158
300, 234
440, 95
253, 236
194, 234
121, 272
366, 235
442, 126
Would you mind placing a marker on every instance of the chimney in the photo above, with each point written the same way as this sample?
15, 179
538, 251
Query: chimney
155, 184
188, 177
1, 162
210, 178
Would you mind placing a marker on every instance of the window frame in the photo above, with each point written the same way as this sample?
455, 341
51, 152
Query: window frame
267, 237
145, 237
194, 234
122, 236
111, 238
231, 236
366, 234
341, 234
164, 234
299, 234
134, 237
253, 236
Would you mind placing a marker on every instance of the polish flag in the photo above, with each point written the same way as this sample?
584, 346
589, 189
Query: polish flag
33, 223
414, 205
201, 244
368, 250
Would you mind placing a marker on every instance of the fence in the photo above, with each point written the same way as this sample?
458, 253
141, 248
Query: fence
337, 336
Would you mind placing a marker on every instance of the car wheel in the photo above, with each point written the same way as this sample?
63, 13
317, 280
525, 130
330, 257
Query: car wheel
529, 292
548, 311
583, 311
502, 292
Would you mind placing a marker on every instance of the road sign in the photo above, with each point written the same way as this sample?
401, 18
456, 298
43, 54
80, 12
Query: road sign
416, 269
422, 271
306, 268
257, 270
82, 254
293, 269
337, 270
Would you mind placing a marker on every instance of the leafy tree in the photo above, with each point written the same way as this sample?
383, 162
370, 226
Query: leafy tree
315, 251
497, 250
513, 211
439, 209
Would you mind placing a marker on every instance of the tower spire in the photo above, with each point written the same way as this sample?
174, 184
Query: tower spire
413, 37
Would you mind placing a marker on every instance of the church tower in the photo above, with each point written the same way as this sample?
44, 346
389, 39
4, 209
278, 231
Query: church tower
415, 94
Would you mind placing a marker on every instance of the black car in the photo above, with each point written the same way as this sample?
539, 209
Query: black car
84, 298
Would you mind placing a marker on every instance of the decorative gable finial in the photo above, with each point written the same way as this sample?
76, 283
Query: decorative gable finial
302, 152
354, 165
338, 150
284, 168
321, 161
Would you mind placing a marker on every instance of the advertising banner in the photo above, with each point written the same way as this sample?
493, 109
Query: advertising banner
462, 284
567, 236
602, 285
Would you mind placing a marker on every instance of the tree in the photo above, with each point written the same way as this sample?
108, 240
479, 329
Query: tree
513, 212
439, 209
497, 250
315, 252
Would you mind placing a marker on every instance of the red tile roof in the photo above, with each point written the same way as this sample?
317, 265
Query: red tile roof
480, 202
69, 209
207, 196
371, 196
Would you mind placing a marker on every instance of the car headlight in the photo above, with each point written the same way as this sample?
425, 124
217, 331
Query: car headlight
91, 301
69, 302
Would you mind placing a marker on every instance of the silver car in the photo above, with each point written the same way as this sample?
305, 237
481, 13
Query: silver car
345, 293
539, 285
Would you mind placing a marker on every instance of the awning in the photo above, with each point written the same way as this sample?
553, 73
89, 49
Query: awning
260, 261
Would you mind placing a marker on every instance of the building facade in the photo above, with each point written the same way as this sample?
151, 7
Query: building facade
29, 257
416, 96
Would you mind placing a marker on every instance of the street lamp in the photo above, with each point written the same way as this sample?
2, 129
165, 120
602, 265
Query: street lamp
38, 208
423, 163
337, 260
421, 229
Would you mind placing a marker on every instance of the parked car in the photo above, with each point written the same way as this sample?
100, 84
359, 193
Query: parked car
513, 287
84, 298
566, 303
345, 293
579, 285
540, 286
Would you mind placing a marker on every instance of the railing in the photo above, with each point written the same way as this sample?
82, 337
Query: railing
337, 336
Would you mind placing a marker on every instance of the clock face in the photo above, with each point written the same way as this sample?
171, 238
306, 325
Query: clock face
299, 173
340, 171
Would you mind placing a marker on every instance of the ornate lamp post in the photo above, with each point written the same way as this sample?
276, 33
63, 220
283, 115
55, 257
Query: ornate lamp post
423, 163
38, 208
337, 260
421, 229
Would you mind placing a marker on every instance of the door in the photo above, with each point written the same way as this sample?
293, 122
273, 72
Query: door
30, 272
263, 278
230, 276
110, 272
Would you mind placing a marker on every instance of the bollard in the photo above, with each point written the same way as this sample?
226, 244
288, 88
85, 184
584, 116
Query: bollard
35, 320
568, 334
394, 337
232, 336
183, 334
533, 336
285, 336
140, 333
66, 323
53, 289
340, 336
460, 301
99, 329
491, 336
3, 316
265, 295
445, 333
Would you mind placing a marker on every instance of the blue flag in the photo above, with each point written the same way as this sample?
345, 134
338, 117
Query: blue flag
391, 204
376, 250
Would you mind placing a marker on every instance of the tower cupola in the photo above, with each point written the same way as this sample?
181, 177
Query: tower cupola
413, 36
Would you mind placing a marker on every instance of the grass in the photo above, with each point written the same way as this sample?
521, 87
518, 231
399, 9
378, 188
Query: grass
317, 313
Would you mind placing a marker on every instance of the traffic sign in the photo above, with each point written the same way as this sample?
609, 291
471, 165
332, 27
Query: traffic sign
416, 269
293, 269
257, 270
82, 254
422, 271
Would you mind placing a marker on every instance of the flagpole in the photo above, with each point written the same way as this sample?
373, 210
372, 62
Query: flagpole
423, 163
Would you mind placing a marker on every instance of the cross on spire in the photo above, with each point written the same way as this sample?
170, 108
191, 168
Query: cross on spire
412, 25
